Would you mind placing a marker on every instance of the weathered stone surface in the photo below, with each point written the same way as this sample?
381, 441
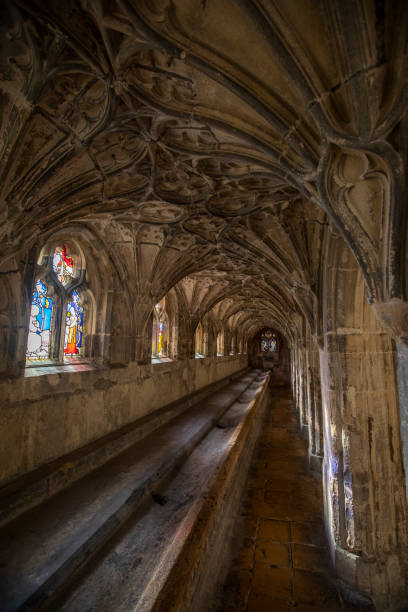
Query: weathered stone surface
290, 569
244, 164
44, 549
72, 412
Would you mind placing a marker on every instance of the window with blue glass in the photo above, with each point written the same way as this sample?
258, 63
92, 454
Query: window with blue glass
56, 329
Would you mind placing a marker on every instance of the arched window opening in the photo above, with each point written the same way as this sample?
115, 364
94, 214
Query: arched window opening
160, 335
220, 344
56, 330
200, 342
269, 342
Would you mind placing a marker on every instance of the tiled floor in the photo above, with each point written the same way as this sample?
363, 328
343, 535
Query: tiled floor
282, 562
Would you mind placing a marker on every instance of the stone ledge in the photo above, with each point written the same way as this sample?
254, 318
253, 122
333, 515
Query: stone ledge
50, 544
33, 488
188, 579
51, 416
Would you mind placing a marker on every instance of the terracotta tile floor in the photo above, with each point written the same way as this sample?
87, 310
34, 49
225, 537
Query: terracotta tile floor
283, 559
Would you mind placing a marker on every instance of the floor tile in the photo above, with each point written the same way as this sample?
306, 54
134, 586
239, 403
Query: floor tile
308, 533
268, 604
276, 531
272, 581
311, 558
312, 588
274, 554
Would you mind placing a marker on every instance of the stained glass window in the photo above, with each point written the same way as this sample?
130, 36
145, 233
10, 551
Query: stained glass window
63, 265
269, 342
201, 339
73, 345
39, 330
160, 339
57, 317
160, 331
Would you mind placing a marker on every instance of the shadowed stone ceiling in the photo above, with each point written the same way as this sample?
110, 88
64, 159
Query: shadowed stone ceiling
207, 139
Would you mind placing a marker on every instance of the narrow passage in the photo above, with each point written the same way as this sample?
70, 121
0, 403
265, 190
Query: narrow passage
282, 560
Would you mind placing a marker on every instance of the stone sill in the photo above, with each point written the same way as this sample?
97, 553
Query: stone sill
156, 360
32, 371
67, 368
31, 488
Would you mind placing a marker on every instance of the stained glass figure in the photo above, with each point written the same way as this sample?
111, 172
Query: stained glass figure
159, 338
39, 330
74, 327
63, 265
268, 342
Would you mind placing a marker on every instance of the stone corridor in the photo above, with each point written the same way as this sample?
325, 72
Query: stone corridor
191, 190
282, 562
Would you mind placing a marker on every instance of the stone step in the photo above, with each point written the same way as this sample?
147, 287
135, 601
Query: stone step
48, 545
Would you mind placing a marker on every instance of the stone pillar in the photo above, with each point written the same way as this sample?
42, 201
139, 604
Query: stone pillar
227, 341
142, 341
293, 370
212, 341
186, 339
393, 316
365, 505
16, 287
303, 385
233, 349
315, 420
333, 450
296, 393
122, 341
309, 401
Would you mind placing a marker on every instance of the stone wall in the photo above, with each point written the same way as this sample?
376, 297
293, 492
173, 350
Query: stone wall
350, 403
251, 176
50, 415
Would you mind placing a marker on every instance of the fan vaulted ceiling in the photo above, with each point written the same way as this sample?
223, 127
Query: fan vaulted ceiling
197, 138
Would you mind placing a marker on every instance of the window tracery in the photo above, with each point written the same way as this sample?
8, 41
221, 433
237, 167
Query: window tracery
56, 329
200, 341
63, 265
269, 342
160, 336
